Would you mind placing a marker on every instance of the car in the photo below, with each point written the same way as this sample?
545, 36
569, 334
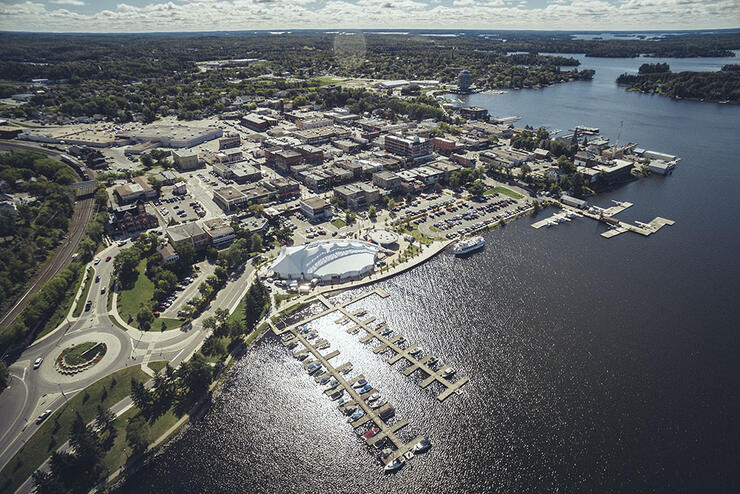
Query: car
37, 363
107, 258
43, 416
97, 278
121, 243
156, 313
96, 260
88, 305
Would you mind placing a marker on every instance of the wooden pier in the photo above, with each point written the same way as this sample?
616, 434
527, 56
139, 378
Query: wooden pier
403, 451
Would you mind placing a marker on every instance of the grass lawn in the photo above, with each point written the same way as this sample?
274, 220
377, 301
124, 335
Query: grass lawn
503, 191
284, 296
289, 310
142, 292
256, 333
338, 223
63, 309
158, 365
73, 354
83, 297
119, 453
49, 436
130, 300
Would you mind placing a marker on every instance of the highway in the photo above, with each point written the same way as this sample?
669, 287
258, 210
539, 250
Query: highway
62, 256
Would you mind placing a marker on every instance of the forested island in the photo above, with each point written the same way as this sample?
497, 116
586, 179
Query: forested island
722, 86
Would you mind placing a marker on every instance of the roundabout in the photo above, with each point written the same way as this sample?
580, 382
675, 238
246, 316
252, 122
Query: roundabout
78, 358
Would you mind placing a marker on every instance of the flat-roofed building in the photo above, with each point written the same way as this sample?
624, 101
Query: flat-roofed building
316, 209
468, 160
229, 198
245, 172
285, 158
190, 233
177, 136
355, 196
387, 180
347, 146
284, 187
255, 122
230, 140
219, 233
446, 167
507, 157
139, 189
311, 154
414, 148
444, 145
167, 177
185, 159
474, 113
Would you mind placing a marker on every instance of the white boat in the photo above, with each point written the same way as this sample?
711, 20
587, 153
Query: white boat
449, 371
468, 245
422, 446
393, 466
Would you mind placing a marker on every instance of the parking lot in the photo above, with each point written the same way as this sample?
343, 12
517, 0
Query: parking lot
455, 218
182, 208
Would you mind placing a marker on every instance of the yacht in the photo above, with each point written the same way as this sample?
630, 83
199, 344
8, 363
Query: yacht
357, 415
325, 380
366, 388
292, 345
359, 383
468, 245
449, 371
393, 466
386, 332
416, 351
378, 403
371, 433
422, 446
373, 398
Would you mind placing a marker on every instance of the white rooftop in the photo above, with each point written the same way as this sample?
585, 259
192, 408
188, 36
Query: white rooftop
327, 260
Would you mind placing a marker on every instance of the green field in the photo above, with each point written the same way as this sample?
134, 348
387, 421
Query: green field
85, 291
142, 292
503, 191
338, 223
158, 365
49, 436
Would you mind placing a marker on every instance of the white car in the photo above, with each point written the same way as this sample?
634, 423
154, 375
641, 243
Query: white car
37, 363
96, 261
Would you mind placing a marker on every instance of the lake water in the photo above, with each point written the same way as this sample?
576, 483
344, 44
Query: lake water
596, 365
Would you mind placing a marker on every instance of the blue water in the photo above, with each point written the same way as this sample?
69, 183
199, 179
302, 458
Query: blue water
596, 365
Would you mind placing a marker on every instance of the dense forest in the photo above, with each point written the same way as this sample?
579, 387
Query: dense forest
30, 233
721, 86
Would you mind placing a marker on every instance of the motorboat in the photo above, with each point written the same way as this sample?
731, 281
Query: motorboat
336, 394
468, 245
301, 356
292, 345
432, 361
416, 351
287, 337
312, 336
387, 413
371, 432
393, 466
324, 380
313, 367
342, 401
386, 452
378, 403
386, 332
349, 410
346, 371
449, 371
366, 388
360, 313
321, 375
373, 398
357, 415
359, 383
305, 330
379, 325
422, 446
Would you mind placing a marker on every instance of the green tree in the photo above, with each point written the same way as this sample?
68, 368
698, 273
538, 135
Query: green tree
4, 376
255, 243
137, 433
477, 188
372, 212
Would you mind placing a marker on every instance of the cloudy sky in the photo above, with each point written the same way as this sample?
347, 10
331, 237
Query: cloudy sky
214, 15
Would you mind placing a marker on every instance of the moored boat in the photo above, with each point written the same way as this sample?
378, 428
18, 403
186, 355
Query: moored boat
393, 466
422, 446
468, 245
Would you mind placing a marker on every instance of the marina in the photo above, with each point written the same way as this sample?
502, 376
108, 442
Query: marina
357, 398
605, 215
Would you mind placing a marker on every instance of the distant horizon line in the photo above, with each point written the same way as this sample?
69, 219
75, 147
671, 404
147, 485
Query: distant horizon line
378, 30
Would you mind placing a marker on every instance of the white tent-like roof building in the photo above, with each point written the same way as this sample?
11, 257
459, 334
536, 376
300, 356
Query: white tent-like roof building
331, 260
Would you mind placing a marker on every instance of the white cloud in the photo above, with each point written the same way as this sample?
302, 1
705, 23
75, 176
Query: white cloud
76, 3
205, 15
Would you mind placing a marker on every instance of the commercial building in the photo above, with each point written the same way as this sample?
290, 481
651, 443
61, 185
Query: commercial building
311, 154
285, 158
387, 180
507, 157
316, 209
244, 172
190, 233
444, 145
328, 261
284, 187
573, 201
131, 218
177, 136
229, 198
185, 160
255, 122
355, 196
413, 149
230, 140
661, 167
139, 189
219, 233
474, 113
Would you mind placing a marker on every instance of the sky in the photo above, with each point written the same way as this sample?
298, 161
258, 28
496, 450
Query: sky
132, 16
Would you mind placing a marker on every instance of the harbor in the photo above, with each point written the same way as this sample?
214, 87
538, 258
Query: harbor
605, 215
368, 411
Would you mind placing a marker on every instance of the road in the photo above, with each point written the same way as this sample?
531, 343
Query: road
61, 258
33, 391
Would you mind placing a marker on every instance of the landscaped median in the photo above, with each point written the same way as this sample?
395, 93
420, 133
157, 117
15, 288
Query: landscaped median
80, 304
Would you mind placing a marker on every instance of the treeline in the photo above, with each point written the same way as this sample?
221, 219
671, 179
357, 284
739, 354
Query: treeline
30, 233
721, 86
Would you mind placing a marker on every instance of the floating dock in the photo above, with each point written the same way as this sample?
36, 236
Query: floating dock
403, 451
